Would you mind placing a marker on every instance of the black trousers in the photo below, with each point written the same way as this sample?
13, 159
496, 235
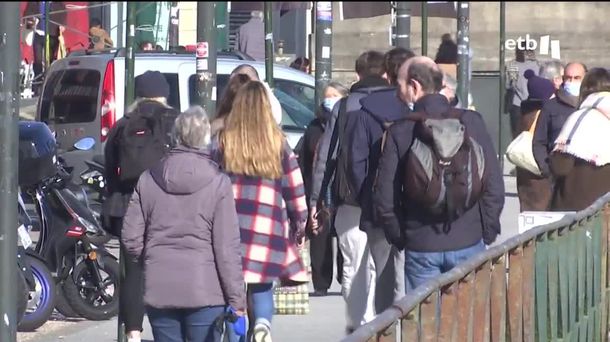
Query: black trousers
131, 301
515, 120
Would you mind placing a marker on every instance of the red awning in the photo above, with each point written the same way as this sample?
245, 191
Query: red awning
437, 9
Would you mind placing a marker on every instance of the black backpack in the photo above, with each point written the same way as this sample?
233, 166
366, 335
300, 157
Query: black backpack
144, 140
444, 170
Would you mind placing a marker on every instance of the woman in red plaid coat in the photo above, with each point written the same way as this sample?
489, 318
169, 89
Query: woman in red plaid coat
269, 198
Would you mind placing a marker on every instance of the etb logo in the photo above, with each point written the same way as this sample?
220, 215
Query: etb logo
545, 45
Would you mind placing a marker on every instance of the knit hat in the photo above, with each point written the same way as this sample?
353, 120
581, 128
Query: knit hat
538, 88
151, 84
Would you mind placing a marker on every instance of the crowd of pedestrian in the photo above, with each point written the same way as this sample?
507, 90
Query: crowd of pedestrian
212, 214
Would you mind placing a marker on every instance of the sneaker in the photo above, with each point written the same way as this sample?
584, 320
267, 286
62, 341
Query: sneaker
261, 333
134, 339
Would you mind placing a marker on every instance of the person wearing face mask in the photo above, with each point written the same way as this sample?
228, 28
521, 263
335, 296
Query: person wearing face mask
320, 248
554, 114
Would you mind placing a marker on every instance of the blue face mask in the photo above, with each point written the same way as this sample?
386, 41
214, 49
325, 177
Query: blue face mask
330, 102
572, 88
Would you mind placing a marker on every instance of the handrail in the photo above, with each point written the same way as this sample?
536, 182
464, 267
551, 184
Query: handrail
420, 294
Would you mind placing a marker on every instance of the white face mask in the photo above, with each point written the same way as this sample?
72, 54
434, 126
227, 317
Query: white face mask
573, 88
330, 102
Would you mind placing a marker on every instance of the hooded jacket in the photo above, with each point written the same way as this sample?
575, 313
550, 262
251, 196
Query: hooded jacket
553, 115
365, 132
410, 226
182, 223
321, 178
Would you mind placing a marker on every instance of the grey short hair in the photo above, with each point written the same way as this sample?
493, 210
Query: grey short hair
338, 86
192, 128
551, 69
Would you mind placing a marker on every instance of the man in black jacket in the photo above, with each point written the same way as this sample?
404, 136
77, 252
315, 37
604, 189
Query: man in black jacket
554, 114
364, 133
430, 249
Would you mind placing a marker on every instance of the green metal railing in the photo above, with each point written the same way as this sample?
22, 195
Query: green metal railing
548, 284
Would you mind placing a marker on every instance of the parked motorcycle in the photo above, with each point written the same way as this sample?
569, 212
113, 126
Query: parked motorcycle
87, 274
39, 286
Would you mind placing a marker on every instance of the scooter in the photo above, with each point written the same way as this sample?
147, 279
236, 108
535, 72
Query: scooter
87, 274
39, 286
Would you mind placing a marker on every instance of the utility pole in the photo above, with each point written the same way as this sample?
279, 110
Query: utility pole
222, 25
206, 56
324, 40
463, 42
403, 25
424, 28
129, 98
268, 10
9, 159
502, 85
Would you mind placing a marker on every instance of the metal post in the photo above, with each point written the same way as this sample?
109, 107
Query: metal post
47, 42
424, 28
119, 28
129, 98
403, 25
222, 25
174, 22
502, 81
324, 40
9, 137
206, 56
269, 43
463, 42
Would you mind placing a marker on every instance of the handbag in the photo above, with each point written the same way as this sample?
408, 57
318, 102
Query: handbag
293, 300
520, 151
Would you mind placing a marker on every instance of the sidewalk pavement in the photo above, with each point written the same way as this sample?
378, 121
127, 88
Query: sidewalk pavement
325, 322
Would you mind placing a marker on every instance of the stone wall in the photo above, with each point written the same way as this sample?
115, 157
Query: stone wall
580, 27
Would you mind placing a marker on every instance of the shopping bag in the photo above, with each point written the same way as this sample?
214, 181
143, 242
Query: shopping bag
293, 300
520, 151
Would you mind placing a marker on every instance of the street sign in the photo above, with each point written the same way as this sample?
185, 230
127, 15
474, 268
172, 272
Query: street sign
202, 50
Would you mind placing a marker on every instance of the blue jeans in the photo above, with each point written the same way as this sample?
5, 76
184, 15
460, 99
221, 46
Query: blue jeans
423, 266
178, 325
260, 297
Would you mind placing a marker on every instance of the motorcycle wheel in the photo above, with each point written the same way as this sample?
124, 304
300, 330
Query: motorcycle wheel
86, 298
61, 303
23, 295
41, 301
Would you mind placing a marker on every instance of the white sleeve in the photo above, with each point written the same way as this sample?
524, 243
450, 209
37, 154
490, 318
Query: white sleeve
276, 107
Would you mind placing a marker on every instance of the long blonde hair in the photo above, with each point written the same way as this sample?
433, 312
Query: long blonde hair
251, 141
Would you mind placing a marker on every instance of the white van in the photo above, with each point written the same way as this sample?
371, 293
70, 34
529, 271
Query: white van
83, 94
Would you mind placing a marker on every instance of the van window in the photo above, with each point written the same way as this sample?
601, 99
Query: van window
174, 90
70, 96
221, 83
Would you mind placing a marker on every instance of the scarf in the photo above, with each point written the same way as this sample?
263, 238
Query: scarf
586, 132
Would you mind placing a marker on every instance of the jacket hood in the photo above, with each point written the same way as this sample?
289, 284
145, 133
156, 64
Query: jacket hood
184, 171
384, 105
369, 82
146, 107
603, 106
564, 97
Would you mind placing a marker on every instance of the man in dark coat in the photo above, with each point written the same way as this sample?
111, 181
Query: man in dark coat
429, 248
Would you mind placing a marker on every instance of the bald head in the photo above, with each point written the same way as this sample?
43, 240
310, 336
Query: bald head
417, 77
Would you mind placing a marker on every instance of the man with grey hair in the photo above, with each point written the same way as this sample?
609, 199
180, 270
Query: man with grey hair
552, 71
251, 37
192, 128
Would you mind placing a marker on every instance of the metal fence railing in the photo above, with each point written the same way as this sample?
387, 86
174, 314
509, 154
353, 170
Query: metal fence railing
550, 283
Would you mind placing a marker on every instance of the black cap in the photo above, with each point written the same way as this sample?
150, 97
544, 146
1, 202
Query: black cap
151, 84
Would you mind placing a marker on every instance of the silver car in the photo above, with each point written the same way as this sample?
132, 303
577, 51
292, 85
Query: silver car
83, 94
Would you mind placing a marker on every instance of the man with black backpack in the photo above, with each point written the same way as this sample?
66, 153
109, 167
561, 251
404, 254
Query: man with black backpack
138, 141
331, 192
439, 191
